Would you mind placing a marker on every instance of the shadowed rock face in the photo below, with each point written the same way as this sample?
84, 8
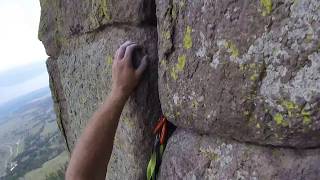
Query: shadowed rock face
232, 70
240, 70
191, 156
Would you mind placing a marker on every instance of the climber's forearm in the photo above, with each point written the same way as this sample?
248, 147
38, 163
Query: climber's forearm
92, 153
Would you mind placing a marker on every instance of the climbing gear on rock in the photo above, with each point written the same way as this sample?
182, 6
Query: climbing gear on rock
162, 131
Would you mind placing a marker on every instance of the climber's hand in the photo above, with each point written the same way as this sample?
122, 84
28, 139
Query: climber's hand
124, 77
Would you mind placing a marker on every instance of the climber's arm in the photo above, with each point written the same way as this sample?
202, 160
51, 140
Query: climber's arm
91, 155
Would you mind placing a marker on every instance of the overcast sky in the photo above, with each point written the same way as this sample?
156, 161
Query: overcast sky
19, 44
19, 48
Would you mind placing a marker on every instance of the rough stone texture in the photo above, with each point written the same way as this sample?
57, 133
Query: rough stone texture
192, 156
59, 101
242, 76
80, 74
247, 70
61, 19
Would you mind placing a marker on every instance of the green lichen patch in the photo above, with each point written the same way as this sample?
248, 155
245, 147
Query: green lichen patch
163, 63
258, 126
93, 22
278, 118
177, 114
182, 4
166, 35
128, 122
306, 117
252, 70
104, 9
99, 14
181, 63
208, 153
108, 63
290, 106
109, 60
246, 113
306, 120
248, 67
82, 100
187, 40
254, 77
173, 73
179, 67
297, 112
308, 38
195, 104
232, 48
267, 7
174, 12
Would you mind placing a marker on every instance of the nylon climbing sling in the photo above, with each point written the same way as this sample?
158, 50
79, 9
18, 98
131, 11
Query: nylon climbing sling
162, 131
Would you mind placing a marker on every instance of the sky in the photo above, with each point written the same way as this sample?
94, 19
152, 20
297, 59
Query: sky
19, 44
20, 49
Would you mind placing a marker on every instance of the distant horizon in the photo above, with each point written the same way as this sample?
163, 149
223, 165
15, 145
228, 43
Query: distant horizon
21, 73
22, 65
24, 95
22, 80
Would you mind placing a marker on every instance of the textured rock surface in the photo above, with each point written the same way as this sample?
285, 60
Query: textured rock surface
191, 156
244, 73
80, 74
248, 70
61, 19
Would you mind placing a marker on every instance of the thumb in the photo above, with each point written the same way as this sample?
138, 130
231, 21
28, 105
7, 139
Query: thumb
142, 67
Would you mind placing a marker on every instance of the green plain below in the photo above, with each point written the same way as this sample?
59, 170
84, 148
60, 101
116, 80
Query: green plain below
49, 167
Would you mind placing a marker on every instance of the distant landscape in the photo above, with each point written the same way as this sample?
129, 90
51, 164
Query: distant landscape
22, 80
31, 145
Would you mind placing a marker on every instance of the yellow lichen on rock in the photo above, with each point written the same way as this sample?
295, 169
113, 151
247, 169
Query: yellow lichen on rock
278, 118
109, 60
166, 35
209, 153
178, 67
104, 7
187, 40
306, 117
173, 73
232, 49
267, 7
290, 106
181, 63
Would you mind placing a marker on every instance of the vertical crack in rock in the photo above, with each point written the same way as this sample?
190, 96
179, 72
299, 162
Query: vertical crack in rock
57, 96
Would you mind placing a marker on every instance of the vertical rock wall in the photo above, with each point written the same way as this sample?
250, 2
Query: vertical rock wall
239, 78
81, 38
243, 78
242, 69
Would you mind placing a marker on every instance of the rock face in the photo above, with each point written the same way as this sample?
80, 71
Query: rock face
242, 76
241, 69
191, 156
80, 73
